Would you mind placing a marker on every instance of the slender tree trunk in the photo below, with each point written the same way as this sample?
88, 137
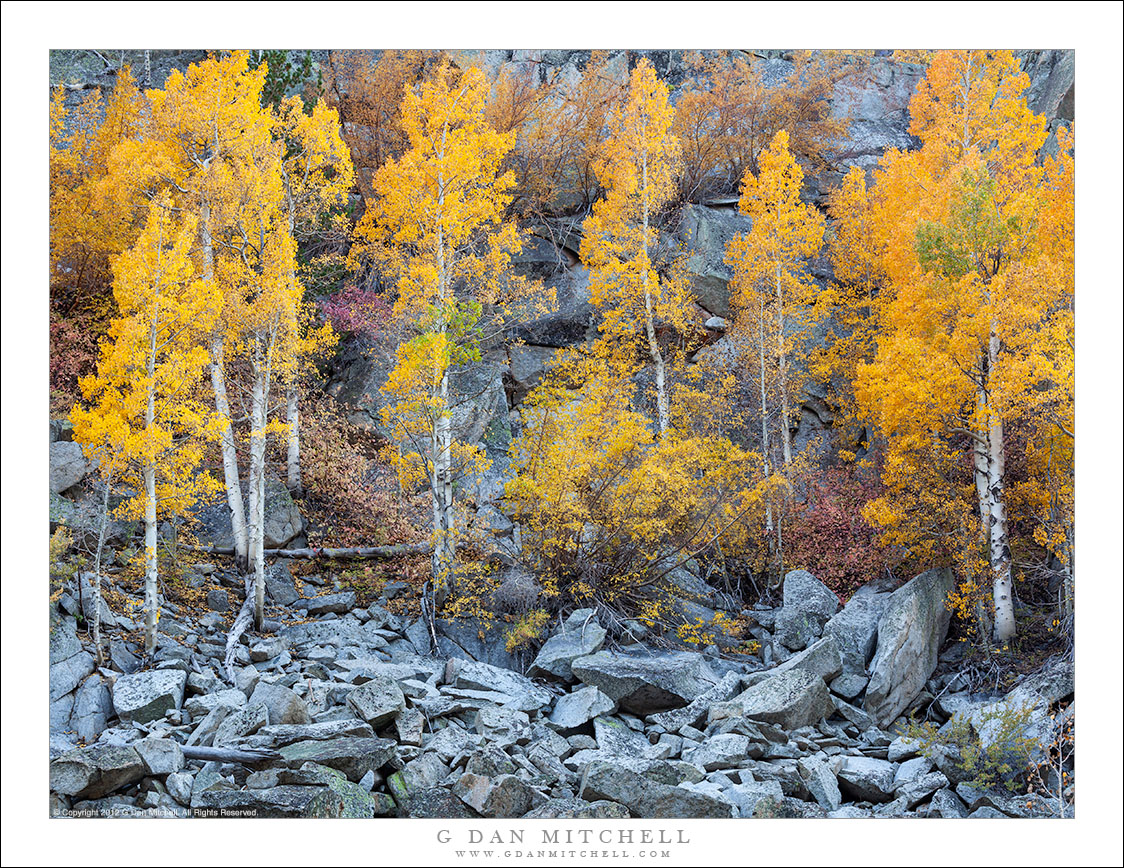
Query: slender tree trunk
981, 471
442, 443
148, 472
786, 434
1000, 549
222, 406
258, 421
765, 464
293, 457
229, 456
151, 595
96, 587
662, 413
442, 484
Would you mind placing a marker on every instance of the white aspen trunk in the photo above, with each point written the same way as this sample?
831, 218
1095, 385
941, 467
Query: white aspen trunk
981, 472
1000, 548
443, 518
662, 413
96, 587
151, 597
258, 422
229, 455
222, 405
148, 473
786, 435
764, 415
442, 481
293, 456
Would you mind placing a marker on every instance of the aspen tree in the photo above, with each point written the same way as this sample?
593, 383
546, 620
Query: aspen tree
145, 422
638, 169
436, 226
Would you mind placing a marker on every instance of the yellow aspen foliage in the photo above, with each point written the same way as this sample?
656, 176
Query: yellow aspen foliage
638, 168
604, 509
145, 422
771, 281
92, 218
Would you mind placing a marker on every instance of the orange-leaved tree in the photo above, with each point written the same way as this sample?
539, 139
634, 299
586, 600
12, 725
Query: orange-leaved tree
145, 423
436, 227
974, 294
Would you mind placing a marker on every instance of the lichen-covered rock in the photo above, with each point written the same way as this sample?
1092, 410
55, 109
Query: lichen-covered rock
647, 683
283, 705
354, 757
910, 633
68, 466
647, 798
789, 700
146, 696
96, 771
377, 701
808, 605
580, 707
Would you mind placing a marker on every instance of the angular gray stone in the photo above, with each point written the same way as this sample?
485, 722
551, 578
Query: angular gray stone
330, 604
867, 779
161, 756
820, 658
274, 803
848, 686
821, 783
474, 675
504, 797
283, 705
354, 757
69, 673
68, 466
945, 805
92, 710
146, 696
696, 710
808, 606
746, 796
855, 630
96, 771
648, 683
179, 787
562, 649
378, 701
578, 809
198, 706
580, 707
64, 641
919, 789
910, 634
238, 724
646, 798
502, 725
789, 700
719, 752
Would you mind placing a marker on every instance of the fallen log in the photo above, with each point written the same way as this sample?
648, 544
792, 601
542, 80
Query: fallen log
359, 553
246, 756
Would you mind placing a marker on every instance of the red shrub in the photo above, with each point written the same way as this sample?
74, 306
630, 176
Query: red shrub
828, 536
